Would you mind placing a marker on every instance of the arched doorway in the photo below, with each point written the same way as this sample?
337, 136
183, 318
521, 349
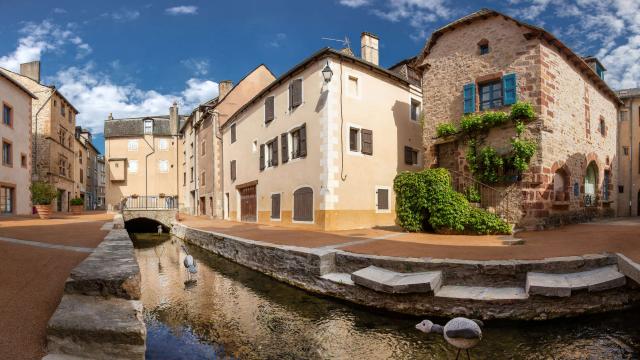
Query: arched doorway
590, 181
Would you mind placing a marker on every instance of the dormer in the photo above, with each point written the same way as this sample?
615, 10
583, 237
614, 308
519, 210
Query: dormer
596, 65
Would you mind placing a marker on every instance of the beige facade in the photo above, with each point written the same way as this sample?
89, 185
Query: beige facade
628, 190
86, 169
15, 137
141, 161
53, 127
327, 154
573, 171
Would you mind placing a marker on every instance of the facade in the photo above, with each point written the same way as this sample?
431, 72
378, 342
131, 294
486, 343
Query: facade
86, 174
488, 61
101, 190
316, 153
81, 160
202, 143
53, 129
141, 160
15, 135
628, 191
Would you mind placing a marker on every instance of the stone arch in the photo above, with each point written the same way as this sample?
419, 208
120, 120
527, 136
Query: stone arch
591, 183
144, 225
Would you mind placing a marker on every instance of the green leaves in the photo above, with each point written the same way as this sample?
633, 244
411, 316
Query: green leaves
522, 111
472, 124
523, 151
446, 129
42, 193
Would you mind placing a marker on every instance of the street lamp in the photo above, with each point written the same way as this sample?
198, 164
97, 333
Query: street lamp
327, 73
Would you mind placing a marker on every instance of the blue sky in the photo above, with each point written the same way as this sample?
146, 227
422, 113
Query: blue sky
134, 58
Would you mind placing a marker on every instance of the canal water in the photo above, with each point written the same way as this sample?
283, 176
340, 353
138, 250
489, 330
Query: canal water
232, 312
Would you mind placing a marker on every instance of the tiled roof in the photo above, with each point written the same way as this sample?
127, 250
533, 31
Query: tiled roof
628, 93
135, 126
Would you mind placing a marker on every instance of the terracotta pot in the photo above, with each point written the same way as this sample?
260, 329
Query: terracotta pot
44, 211
76, 209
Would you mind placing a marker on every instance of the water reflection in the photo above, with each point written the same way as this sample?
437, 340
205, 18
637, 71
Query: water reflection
233, 312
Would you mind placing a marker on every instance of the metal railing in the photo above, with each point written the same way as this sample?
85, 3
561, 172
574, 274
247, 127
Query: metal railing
149, 202
494, 200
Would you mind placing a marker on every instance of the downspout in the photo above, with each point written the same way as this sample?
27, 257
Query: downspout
146, 170
218, 135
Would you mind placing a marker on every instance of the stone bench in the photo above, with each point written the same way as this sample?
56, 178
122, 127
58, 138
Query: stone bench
562, 285
481, 293
392, 282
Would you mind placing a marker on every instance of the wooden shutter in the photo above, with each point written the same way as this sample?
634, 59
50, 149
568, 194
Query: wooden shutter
269, 110
408, 155
274, 152
383, 199
233, 132
295, 93
275, 206
509, 89
367, 141
233, 170
303, 140
469, 95
303, 204
261, 157
285, 147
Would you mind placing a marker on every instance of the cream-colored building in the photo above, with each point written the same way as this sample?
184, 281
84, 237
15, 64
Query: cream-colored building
141, 161
15, 135
628, 190
86, 168
202, 143
53, 127
323, 154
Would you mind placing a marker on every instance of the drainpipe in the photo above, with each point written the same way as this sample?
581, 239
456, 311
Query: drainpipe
146, 170
217, 133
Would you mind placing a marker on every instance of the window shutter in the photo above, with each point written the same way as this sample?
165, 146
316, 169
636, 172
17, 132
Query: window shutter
295, 93
269, 110
408, 156
383, 199
303, 140
469, 95
261, 157
233, 132
274, 152
233, 170
285, 147
509, 88
275, 206
367, 141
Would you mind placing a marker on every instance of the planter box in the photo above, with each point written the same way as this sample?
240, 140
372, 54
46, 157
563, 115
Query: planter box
44, 211
77, 209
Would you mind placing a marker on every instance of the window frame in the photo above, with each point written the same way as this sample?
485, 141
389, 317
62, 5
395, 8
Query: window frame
25, 163
166, 144
132, 148
491, 100
418, 112
11, 188
145, 128
417, 157
132, 169
9, 163
233, 132
163, 161
7, 106
203, 148
357, 152
358, 94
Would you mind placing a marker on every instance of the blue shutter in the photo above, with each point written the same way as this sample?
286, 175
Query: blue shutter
469, 95
509, 89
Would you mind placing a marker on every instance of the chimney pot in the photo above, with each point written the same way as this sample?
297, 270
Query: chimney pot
224, 87
369, 47
31, 70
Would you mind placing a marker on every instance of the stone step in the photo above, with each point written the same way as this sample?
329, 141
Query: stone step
562, 285
340, 278
481, 293
96, 328
629, 268
392, 282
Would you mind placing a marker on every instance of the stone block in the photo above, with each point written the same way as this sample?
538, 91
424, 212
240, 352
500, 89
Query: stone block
392, 282
562, 285
629, 268
340, 278
481, 293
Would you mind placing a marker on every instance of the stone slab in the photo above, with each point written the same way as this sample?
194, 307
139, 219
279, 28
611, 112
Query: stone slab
481, 293
562, 285
392, 282
340, 278
629, 268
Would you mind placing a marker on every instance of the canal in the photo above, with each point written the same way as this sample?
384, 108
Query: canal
235, 312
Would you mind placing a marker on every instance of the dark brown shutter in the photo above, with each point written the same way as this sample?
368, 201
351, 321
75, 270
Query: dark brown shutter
383, 199
303, 140
408, 155
233, 170
269, 110
295, 93
233, 132
261, 157
275, 206
274, 152
303, 204
285, 147
367, 141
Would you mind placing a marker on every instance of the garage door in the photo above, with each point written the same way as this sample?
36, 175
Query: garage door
303, 204
248, 203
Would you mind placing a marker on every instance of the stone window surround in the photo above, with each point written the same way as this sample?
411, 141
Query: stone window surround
10, 124
23, 160
481, 80
10, 163
13, 195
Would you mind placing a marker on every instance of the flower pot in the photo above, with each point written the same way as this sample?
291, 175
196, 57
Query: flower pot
44, 211
76, 209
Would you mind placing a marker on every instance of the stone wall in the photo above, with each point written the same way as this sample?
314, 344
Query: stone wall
164, 217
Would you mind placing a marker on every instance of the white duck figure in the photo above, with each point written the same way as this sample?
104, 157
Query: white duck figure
189, 263
460, 332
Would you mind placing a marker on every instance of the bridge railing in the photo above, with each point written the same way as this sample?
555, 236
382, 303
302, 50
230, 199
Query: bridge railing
149, 202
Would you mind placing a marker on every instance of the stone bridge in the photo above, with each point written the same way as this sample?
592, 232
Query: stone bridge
162, 216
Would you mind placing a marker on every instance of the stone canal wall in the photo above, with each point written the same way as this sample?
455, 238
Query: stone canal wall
526, 290
100, 314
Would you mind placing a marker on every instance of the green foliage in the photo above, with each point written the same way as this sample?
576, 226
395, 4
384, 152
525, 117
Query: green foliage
522, 111
472, 194
42, 193
471, 124
77, 201
426, 200
523, 151
494, 118
488, 165
446, 129
519, 128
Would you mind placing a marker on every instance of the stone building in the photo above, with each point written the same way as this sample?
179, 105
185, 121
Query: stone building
628, 191
15, 135
488, 61
53, 129
141, 156
320, 146
101, 190
86, 173
202, 142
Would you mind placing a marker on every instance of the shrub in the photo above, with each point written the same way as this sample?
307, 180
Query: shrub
42, 193
523, 151
472, 194
494, 118
471, 124
484, 223
77, 201
522, 111
446, 129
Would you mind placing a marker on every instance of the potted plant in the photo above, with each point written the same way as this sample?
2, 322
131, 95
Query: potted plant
42, 194
77, 204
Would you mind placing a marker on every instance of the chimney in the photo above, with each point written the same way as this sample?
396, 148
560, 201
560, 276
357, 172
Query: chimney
224, 87
31, 70
174, 118
110, 116
369, 47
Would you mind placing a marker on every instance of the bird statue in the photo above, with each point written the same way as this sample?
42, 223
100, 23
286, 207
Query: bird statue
460, 332
189, 263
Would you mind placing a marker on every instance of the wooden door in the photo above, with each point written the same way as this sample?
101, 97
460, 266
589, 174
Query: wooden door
248, 204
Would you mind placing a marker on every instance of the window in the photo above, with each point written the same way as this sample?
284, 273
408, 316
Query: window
62, 165
602, 127
272, 153
70, 115
303, 204
81, 176
233, 133
133, 166
202, 179
354, 139
203, 148
254, 146
184, 178
6, 199
23, 160
382, 199
625, 150
491, 95
233, 170
7, 153
275, 206
163, 144
415, 109
621, 189
483, 48
80, 156
163, 166
7, 116
295, 94
410, 156
269, 108
299, 142
193, 175
62, 110
361, 140
352, 86
148, 126
132, 145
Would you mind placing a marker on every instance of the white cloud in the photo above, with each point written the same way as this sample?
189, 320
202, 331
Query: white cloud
122, 15
59, 11
199, 67
182, 10
354, 3
276, 42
